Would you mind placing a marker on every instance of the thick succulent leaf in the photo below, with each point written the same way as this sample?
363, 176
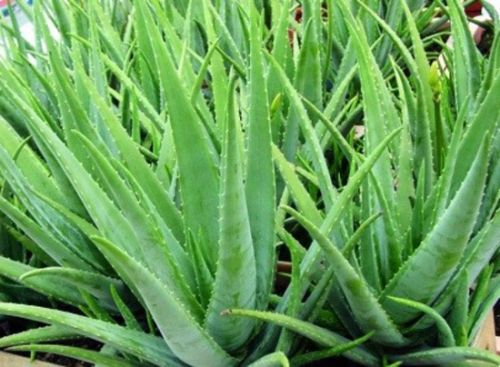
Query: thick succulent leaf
457, 318
441, 356
380, 118
481, 249
310, 357
308, 71
197, 167
364, 305
312, 141
444, 331
299, 193
61, 254
81, 354
145, 346
484, 123
319, 335
467, 71
478, 254
236, 276
260, 181
107, 216
179, 328
162, 254
136, 164
27, 161
338, 210
276, 359
14, 270
39, 335
94, 284
427, 272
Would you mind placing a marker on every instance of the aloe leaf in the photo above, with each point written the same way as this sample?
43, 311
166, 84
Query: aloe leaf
308, 78
60, 253
311, 357
445, 333
479, 252
467, 71
320, 335
198, 174
485, 121
260, 181
74, 352
39, 335
63, 291
276, 359
481, 249
28, 162
337, 211
157, 252
489, 298
348, 248
138, 167
365, 308
439, 356
236, 278
427, 272
124, 310
179, 328
95, 284
142, 345
217, 69
458, 313
305, 123
299, 193
424, 126
380, 117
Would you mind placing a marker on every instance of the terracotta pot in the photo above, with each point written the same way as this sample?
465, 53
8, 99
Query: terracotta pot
474, 9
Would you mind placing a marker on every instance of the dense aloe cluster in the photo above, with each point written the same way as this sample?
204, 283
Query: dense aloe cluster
160, 159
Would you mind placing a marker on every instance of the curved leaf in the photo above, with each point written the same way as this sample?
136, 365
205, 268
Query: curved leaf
179, 328
142, 345
427, 272
320, 335
236, 276
81, 354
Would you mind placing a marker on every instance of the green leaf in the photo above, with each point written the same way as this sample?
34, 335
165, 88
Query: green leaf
299, 193
467, 71
455, 355
81, 354
368, 313
311, 357
145, 346
277, 359
427, 272
319, 335
94, 284
39, 335
260, 180
445, 333
199, 180
179, 328
236, 276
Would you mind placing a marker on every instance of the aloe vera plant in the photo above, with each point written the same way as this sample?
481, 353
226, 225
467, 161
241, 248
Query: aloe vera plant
156, 156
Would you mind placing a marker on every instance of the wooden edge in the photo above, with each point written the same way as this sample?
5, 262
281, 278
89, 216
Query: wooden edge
486, 338
11, 360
